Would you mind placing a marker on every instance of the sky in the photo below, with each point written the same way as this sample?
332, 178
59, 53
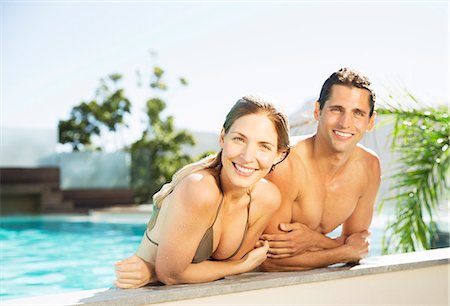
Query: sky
54, 53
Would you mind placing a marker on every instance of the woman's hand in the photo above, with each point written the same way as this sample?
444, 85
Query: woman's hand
257, 256
133, 272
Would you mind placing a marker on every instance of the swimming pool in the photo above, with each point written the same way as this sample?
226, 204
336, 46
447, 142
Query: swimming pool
46, 255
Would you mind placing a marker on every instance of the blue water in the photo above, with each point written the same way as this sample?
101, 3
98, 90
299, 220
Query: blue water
48, 255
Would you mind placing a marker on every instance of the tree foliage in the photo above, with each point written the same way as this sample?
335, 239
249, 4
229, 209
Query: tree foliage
105, 112
419, 180
157, 155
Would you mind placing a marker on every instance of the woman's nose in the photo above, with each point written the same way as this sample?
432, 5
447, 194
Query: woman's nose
248, 153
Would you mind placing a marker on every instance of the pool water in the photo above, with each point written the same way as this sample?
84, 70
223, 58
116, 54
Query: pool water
48, 255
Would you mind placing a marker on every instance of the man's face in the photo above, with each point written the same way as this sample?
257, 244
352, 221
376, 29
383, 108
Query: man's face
344, 118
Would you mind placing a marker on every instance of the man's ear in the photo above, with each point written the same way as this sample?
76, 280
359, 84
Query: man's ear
222, 136
317, 111
372, 121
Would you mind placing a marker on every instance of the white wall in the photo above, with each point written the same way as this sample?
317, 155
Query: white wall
32, 148
88, 170
26, 147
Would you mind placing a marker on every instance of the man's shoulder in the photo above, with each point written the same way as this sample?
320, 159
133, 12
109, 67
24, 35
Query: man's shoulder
301, 147
300, 140
287, 175
367, 154
370, 160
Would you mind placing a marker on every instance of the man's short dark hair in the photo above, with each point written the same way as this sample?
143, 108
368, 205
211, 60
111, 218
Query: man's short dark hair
347, 77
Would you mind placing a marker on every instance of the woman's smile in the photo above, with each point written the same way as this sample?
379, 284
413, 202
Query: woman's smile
242, 170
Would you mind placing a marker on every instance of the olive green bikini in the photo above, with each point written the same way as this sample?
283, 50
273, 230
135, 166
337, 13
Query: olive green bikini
205, 247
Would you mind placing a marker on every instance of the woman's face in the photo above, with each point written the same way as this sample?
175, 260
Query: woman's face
249, 149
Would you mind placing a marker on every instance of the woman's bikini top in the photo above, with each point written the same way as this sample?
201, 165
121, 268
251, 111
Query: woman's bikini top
205, 247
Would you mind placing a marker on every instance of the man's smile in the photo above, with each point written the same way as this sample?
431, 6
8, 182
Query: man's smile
343, 135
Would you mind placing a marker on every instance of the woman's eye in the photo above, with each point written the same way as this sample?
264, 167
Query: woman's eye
237, 138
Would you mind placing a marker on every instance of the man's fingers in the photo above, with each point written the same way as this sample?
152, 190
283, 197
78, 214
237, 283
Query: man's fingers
287, 252
365, 234
269, 255
274, 237
280, 244
287, 227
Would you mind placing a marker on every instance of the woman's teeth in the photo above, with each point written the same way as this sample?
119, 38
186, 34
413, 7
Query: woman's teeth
244, 169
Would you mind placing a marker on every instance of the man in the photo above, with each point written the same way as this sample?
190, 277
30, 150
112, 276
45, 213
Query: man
327, 180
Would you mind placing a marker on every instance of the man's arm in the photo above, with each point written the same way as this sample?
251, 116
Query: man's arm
295, 239
285, 238
354, 233
353, 250
361, 217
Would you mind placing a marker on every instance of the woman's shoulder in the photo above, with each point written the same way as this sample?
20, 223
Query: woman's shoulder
198, 189
267, 195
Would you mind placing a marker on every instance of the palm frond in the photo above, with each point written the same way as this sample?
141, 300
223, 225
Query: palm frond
419, 179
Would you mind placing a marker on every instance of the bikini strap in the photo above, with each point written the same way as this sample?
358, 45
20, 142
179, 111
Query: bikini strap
218, 210
219, 184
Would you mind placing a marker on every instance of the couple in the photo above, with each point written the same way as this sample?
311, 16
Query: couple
261, 203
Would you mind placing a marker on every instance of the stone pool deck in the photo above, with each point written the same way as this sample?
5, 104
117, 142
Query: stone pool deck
420, 278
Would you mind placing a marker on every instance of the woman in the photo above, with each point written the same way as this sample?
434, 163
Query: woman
207, 221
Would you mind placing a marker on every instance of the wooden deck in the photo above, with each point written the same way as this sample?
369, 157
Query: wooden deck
37, 190
85, 199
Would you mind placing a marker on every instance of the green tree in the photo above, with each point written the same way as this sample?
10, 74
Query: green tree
420, 178
106, 112
157, 155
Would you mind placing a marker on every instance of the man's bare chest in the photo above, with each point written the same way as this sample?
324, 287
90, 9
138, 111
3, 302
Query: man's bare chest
323, 207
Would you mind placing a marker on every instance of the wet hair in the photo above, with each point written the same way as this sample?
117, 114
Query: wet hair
347, 77
247, 105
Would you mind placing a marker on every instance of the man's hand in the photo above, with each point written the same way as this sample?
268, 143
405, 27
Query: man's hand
358, 245
133, 272
296, 239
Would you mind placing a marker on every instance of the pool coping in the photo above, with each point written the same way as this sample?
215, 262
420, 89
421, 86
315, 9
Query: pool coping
155, 294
